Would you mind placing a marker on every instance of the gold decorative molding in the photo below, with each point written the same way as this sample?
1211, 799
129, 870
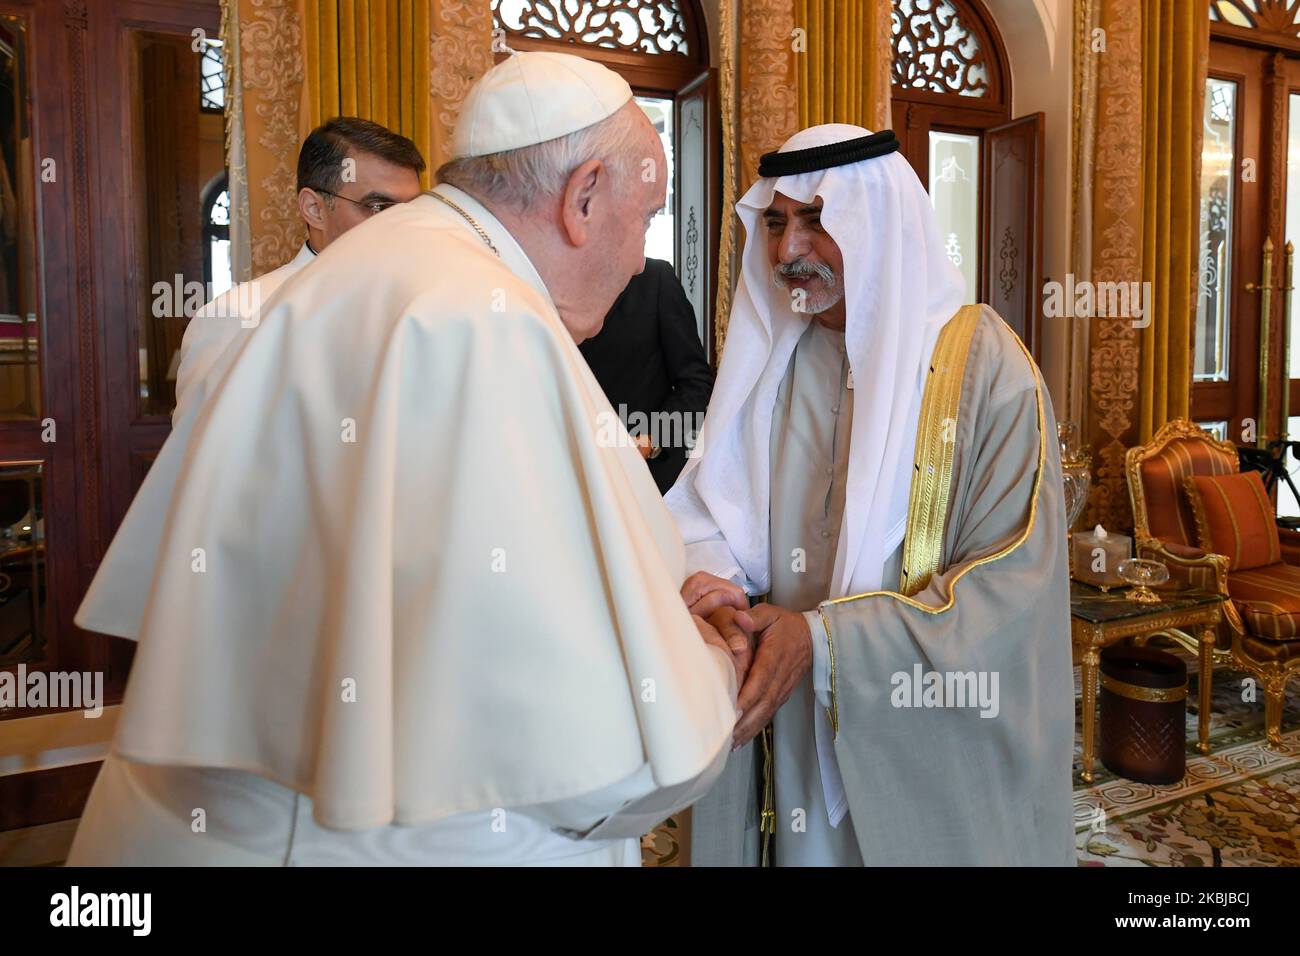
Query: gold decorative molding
460, 51
769, 99
879, 81
727, 225
1115, 240
1084, 68
272, 70
757, 85
241, 253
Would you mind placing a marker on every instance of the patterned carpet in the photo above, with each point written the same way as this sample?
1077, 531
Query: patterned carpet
663, 846
1238, 805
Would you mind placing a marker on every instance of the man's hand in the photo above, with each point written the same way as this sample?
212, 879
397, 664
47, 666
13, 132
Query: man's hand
643, 445
783, 656
737, 630
711, 636
704, 593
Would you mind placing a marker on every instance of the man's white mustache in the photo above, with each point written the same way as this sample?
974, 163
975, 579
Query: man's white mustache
801, 268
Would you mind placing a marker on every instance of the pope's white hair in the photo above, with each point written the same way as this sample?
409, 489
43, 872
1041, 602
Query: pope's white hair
516, 178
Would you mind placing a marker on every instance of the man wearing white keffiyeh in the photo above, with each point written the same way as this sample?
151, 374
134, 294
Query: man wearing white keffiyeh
870, 442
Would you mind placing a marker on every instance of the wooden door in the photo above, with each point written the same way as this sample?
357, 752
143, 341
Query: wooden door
1239, 176
1011, 280
49, 504
149, 183
696, 218
100, 188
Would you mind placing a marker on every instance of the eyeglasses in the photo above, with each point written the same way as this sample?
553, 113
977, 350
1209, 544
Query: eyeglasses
374, 207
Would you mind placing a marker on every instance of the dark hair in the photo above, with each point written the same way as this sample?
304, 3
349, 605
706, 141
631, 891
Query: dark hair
320, 161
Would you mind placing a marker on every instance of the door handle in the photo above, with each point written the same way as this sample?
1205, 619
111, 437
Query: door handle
1264, 287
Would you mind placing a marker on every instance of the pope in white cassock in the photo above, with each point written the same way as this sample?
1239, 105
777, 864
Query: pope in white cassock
395, 602
879, 461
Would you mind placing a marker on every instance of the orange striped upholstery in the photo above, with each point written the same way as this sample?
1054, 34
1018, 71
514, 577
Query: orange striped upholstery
1169, 514
1234, 517
1182, 571
1269, 600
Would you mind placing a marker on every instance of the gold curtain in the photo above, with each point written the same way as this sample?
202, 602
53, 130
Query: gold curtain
369, 58
1140, 77
1175, 57
294, 63
843, 74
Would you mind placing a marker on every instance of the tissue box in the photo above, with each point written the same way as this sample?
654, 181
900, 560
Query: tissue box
1095, 556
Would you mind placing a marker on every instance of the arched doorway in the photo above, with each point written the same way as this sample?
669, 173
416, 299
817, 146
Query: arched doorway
951, 108
661, 48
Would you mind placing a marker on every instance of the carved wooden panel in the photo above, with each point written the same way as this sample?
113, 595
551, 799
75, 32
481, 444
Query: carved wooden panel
636, 26
1274, 16
937, 49
1013, 200
696, 212
49, 488
1263, 23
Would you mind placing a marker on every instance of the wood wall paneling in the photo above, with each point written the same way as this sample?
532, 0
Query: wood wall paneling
88, 193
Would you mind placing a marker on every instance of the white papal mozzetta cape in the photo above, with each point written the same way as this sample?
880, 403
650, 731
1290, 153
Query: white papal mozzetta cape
387, 563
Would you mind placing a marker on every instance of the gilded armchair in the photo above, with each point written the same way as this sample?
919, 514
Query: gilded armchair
1261, 612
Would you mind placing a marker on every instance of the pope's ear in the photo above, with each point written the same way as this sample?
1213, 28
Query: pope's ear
311, 207
580, 194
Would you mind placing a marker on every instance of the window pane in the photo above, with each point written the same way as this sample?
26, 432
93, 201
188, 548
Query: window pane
219, 256
659, 237
1293, 215
212, 84
1218, 429
1214, 281
176, 149
954, 191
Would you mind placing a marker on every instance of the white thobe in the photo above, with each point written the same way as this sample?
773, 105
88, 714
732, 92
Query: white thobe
811, 425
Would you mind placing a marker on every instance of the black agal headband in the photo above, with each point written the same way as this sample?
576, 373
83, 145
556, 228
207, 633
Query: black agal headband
773, 165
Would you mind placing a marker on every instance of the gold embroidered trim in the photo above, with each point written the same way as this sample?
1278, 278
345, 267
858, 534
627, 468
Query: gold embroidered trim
1024, 535
833, 712
936, 440
767, 819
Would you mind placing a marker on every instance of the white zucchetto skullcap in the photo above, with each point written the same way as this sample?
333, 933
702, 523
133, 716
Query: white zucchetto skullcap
534, 97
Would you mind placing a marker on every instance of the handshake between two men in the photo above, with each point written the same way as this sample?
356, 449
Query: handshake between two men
770, 647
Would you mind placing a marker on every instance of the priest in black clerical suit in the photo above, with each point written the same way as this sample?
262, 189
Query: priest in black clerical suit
649, 360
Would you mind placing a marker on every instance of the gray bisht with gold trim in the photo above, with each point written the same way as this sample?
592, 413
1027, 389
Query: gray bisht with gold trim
945, 785
985, 592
